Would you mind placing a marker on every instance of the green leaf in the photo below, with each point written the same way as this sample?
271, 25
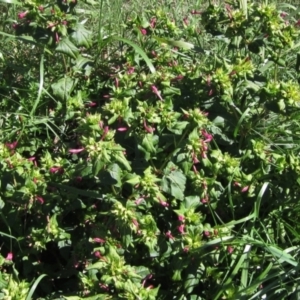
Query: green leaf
63, 88
191, 202
65, 46
149, 142
138, 50
120, 157
115, 172
173, 181
34, 286
81, 36
181, 44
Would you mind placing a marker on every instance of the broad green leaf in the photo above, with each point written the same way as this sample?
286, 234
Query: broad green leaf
115, 172
190, 283
191, 202
173, 181
149, 142
81, 36
65, 46
120, 157
63, 87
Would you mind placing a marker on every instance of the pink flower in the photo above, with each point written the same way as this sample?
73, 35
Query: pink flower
106, 128
56, 37
283, 14
12, 145
149, 129
121, 129
41, 8
245, 189
163, 203
186, 249
55, 170
104, 286
135, 222
208, 137
98, 254
229, 249
156, 92
91, 104
40, 199
98, 240
139, 200
236, 184
149, 276
143, 31
22, 15
130, 70
9, 256
153, 22
75, 151
206, 233
204, 200
169, 235
181, 228
181, 218
185, 21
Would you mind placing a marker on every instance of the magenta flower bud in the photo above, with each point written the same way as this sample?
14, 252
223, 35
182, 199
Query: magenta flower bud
245, 189
149, 129
98, 254
75, 151
130, 70
208, 137
229, 249
55, 170
169, 235
22, 15
121, 129
40, 199
206, 233
156, 92
12, 145
181, 218
153, 22
181, 228
9, 256
98, 240
143, 31
164, 203
135, 222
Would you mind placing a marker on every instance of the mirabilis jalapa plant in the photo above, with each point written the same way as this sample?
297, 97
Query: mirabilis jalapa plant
156, 194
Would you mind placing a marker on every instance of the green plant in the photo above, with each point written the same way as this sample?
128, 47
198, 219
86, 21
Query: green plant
155, 165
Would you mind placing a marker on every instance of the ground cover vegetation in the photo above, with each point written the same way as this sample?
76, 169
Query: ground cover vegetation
149, 151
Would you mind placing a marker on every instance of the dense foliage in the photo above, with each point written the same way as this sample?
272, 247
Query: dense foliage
162, 164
